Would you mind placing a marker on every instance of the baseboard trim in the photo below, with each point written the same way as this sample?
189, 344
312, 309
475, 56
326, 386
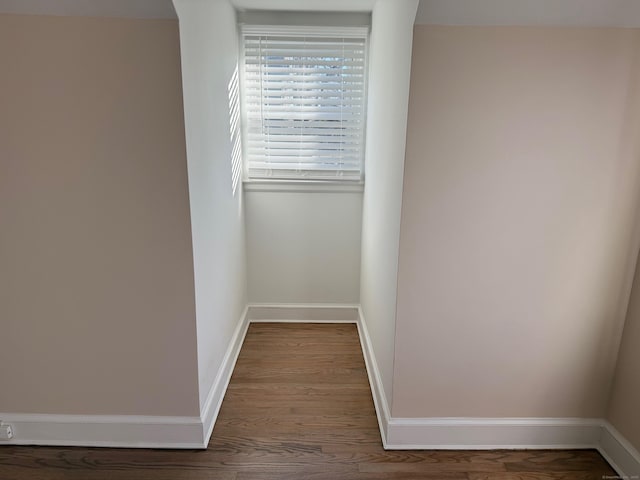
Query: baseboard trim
216, 394
375, 380
131, 431
118, 431
492, 433
620, 454
302, 313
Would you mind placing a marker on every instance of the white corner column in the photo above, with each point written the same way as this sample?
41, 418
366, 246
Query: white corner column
209, 51
388, 102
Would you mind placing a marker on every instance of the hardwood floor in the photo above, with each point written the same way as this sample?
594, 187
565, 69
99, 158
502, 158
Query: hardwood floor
298, 407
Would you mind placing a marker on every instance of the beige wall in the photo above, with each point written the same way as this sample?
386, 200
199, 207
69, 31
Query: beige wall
97, 308
625, 395
625, 398
520, 191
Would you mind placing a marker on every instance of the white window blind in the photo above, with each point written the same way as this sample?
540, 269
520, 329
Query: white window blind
304, 96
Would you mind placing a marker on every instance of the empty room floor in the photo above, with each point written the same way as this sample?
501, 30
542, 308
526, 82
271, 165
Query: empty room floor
298, 407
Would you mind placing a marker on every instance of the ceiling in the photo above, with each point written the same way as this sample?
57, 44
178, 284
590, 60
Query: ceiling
606, 13
92, 8
615, 13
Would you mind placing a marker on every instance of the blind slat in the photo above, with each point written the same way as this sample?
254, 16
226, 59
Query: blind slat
278, 163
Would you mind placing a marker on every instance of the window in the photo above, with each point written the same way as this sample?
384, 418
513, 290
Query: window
304, 96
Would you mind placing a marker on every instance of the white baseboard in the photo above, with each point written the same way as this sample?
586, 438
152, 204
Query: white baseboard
302, 313
121, 431
471, 433
215, 397
130, 431
492, 433
375, 380
620, 454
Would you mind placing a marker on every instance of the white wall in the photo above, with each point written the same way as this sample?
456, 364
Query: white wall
303, 246
519, 208
209, 58
390, 64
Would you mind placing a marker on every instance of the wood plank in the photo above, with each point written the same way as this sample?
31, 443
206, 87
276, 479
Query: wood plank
598, 475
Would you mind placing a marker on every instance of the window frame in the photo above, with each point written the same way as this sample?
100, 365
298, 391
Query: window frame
301, 183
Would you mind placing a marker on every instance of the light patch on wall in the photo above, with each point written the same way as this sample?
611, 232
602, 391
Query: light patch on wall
234, 130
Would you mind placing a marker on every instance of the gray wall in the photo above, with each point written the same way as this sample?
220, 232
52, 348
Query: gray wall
97, 310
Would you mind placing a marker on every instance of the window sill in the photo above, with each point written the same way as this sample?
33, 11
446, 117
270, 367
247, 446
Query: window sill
306, 186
